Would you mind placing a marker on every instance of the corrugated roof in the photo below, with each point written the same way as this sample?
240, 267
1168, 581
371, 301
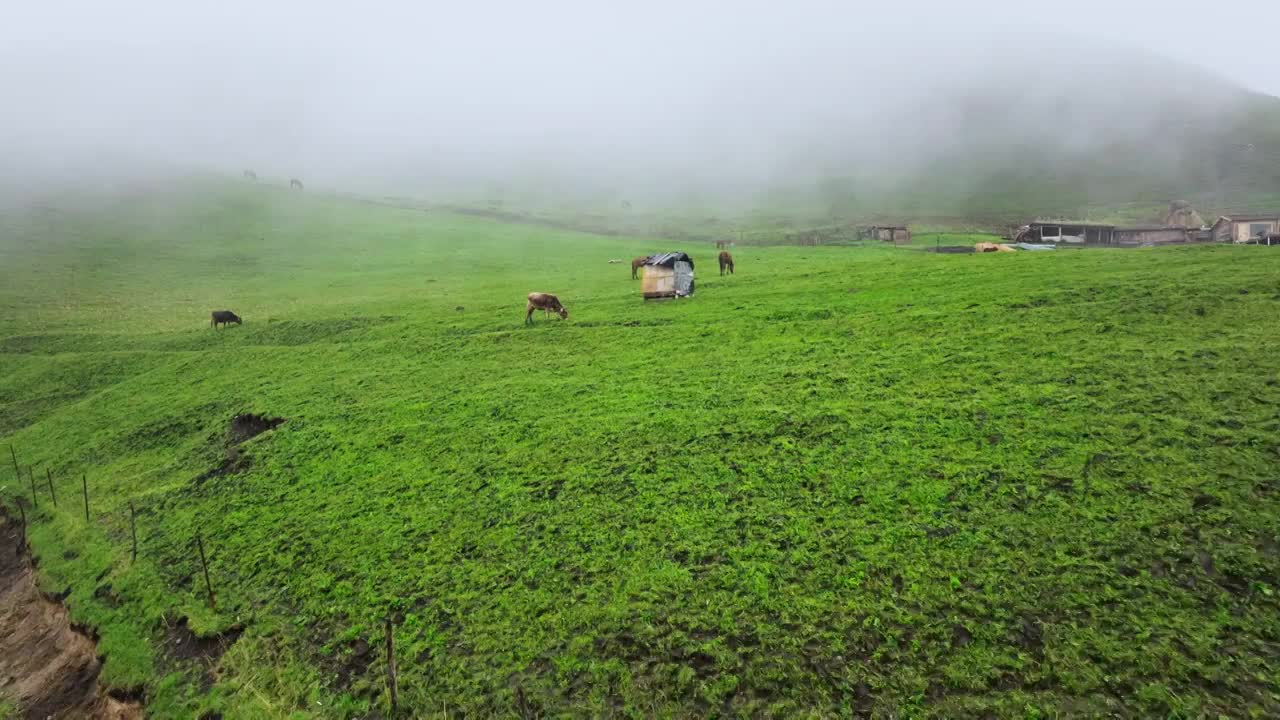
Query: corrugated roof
669, 259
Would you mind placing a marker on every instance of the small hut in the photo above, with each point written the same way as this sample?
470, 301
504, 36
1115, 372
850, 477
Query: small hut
667, 275
896, 234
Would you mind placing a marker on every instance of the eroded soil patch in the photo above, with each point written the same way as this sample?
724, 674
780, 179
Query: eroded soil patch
248, 425
180, 643
183, 646
48, 668
242, 428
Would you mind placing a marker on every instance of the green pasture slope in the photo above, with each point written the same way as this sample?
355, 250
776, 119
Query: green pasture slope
845, 481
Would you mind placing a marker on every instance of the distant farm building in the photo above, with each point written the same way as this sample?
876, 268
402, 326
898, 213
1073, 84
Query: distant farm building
1077, 233
1246, 228
667, 275
1072, 233
896, 234
1153, 235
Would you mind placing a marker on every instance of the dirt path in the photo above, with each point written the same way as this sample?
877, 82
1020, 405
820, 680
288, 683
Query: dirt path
47, 668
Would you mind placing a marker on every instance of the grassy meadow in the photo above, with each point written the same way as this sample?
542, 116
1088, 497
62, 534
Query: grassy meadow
865, 481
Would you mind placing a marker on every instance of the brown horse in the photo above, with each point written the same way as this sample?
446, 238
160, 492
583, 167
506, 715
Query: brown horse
295, 184
726, 262
545, 302
636, 264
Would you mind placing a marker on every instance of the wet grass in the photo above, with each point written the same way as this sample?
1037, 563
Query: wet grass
845, 481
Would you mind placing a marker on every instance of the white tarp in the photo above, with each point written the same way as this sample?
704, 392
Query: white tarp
684, 278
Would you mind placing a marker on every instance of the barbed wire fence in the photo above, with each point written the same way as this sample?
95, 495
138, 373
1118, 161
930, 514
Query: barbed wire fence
195, 551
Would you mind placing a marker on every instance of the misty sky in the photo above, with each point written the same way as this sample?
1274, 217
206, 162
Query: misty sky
419, 90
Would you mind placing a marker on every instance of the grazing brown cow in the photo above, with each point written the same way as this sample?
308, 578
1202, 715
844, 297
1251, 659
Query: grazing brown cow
546, 303
223, 317
295, 184
636, 264
726, 262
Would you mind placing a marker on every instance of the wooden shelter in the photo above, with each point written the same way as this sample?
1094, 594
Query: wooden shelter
667, 275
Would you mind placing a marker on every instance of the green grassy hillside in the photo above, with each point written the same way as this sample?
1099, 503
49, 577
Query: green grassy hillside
845, 481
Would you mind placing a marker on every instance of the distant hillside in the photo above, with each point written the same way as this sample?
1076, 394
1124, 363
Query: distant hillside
1069, 131
1219, 165
1062, 135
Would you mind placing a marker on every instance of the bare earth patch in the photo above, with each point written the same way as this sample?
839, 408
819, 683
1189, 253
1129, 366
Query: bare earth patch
47, 668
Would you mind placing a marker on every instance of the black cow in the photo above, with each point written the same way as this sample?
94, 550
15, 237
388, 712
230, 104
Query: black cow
223, 317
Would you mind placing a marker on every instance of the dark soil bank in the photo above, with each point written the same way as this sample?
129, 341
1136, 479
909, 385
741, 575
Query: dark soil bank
47, 668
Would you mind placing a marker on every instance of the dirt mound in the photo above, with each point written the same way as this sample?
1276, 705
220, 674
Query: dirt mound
247, 425
46, 667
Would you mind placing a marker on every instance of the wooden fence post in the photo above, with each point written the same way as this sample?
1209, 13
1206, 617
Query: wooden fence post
84, 482
23, 513
208, 586
391, 667
32, 477
133, 532
49, 476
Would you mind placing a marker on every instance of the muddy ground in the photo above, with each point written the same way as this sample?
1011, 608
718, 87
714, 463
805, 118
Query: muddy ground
47, 668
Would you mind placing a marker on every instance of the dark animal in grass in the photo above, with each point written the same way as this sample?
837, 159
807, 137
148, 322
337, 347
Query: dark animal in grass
720, 244
546, 303
726, 262
295, 184
251, 175
223, 317
636, 264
